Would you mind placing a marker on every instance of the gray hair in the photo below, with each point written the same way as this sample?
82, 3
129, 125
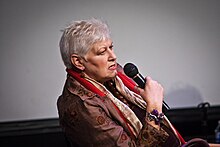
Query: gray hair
79, 36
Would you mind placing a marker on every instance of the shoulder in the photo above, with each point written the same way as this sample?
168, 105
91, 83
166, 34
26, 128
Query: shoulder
75, 94
75, 88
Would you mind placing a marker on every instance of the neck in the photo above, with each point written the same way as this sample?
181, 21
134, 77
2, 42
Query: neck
96, 83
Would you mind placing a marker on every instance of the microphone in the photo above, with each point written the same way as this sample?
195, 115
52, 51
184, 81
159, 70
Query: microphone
132, 71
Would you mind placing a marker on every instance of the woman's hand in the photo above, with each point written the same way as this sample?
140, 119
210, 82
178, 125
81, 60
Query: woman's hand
153, 94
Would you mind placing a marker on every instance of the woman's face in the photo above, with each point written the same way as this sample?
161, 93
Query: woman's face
100, 61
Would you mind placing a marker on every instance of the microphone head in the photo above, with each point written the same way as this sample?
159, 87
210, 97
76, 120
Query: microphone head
130, 70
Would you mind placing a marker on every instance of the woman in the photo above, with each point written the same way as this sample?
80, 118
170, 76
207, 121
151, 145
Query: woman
96, 107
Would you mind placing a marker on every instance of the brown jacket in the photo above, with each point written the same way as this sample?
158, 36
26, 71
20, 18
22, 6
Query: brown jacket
91, 120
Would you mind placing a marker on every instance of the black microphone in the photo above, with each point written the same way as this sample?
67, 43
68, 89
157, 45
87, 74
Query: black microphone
132, 71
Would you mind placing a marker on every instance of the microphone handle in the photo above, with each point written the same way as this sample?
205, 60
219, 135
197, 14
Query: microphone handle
140, 80
165, 107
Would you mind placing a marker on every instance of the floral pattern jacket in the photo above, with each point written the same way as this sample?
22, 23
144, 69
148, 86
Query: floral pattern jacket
92, 120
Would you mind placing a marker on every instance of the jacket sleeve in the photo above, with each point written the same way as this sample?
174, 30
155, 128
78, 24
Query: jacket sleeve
150, 136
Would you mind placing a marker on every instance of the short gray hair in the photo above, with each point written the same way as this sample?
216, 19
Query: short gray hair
79, 36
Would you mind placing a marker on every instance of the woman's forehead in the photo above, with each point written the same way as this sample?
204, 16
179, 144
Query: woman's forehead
103, 43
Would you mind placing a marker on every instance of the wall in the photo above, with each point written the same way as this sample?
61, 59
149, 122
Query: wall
175, 42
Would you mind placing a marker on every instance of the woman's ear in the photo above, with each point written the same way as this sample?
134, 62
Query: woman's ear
77, 62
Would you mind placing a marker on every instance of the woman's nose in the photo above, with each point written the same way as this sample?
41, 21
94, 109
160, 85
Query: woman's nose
112, 54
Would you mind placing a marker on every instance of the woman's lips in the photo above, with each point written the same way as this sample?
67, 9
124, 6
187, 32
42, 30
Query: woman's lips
113, 67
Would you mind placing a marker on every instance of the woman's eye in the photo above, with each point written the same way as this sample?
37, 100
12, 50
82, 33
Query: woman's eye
101, 52
111, 47
104, 49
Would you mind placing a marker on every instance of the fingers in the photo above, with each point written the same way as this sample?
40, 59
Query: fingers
148, 78
152, 93
149, 82
153, 84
